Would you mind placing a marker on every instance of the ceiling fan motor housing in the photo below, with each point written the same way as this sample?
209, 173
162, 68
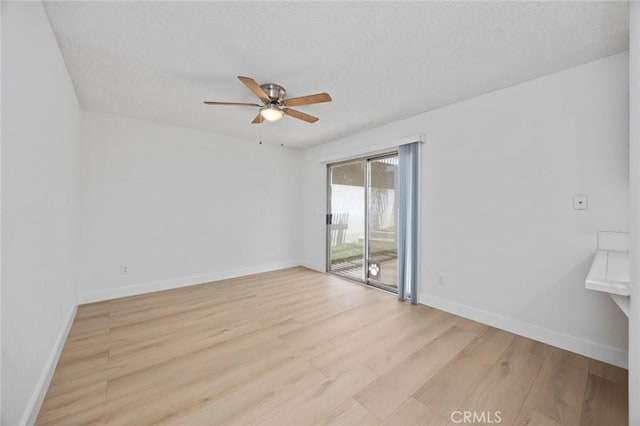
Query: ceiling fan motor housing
275, 92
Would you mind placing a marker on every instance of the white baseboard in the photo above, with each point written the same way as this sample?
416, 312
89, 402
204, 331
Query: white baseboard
584, 347
35, 402
314, 266
150, 287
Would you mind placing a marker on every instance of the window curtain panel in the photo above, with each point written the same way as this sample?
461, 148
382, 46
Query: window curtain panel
408, 222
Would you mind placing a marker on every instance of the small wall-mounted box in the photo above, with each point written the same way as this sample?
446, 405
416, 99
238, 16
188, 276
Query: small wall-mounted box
580, 202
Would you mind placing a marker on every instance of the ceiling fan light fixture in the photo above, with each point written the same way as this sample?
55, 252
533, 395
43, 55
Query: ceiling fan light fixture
271, 113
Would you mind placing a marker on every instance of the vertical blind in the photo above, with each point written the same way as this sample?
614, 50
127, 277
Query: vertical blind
408, 222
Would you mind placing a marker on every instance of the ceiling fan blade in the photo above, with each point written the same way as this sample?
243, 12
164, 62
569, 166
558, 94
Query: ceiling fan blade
259, 119
309, 99
300, 115
254, 87
230, 103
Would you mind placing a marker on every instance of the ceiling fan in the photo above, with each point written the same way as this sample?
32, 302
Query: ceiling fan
274, 105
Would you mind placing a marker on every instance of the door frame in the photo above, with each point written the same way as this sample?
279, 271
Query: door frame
367, 184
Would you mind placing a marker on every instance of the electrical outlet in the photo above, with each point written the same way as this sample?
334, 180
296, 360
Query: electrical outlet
441, 280
123, 270
277, 250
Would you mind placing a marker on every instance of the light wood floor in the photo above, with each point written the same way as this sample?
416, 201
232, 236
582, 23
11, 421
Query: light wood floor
296, 347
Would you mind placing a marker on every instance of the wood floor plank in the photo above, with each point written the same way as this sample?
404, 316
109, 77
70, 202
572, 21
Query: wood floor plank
213, 361
347, 347
559, 388
297, 347
81, 368
404, 343
312, 404
88, 326
161, 352
530, 417
605, 402
608, 371
385, 394
325, 330
95, 416
195, 387
76, 400
414, 413
538, 348
349, 412
246, 404
93, 309
507, 385
446, 390
60, 387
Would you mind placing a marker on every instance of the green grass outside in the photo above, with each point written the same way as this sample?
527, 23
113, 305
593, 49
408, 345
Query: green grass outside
355, 250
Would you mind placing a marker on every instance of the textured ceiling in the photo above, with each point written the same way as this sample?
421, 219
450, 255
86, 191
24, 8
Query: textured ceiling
380, 61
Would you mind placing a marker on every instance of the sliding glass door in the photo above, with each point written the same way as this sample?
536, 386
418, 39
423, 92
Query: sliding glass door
346, 219
382, 208
361, 220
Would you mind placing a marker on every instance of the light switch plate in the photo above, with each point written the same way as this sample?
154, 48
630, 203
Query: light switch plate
580, 202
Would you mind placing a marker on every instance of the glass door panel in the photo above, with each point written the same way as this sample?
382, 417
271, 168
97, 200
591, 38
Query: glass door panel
346, 220
361, 221
382, 207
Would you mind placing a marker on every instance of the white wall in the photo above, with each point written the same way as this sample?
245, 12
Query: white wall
498, 175
180, 206
634, 191
40, 116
